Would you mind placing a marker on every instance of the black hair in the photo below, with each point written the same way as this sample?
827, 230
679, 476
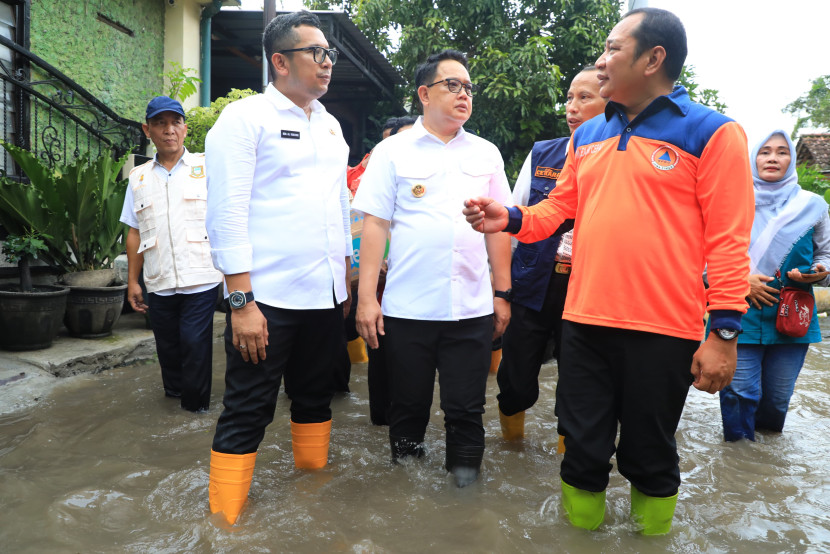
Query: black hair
280, 33
402, 122
425, 73
661, 28
389, 124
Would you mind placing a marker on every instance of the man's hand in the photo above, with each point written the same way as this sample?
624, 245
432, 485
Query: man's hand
501, 316
250, 332
347, 304
485, 214
759, 292
136, 298
799, 277
369, 320
713, 365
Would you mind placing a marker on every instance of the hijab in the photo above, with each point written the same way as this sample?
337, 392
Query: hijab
783, 213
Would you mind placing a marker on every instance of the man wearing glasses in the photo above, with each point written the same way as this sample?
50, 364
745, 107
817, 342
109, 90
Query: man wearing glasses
278, 220
438, 306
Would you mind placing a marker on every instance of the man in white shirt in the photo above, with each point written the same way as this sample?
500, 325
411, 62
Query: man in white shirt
165, 210
278, 218
438, 306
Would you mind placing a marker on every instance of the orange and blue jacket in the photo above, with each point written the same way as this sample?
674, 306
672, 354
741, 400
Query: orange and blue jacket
656, 200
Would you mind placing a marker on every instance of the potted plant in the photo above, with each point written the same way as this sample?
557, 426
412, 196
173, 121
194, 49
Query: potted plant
78, 206
30, 315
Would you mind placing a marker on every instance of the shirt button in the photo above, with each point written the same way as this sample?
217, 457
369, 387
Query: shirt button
628, 130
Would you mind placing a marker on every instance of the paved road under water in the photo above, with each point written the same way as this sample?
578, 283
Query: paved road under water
107, 464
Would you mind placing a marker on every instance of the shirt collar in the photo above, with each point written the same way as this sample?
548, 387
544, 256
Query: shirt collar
185, 159
420, 131
282, 102
678, 99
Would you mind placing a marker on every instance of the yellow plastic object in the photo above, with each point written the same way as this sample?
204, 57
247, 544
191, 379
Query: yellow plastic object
357, 351
512, 427
310, 442
495, 360
230, 480
560, 446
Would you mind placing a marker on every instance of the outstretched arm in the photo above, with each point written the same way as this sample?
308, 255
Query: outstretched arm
485, 214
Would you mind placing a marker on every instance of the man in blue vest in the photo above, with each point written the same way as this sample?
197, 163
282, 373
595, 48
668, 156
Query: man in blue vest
540, 270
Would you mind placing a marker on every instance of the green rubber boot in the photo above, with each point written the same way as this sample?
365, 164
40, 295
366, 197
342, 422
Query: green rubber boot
585, 509
653, 514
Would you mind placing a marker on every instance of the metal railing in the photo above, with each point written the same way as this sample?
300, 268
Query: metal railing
49, 114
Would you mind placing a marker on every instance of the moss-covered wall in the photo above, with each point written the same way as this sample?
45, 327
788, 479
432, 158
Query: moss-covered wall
120, 70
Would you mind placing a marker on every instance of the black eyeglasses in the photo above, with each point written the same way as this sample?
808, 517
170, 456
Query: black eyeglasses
317, 52
455, 86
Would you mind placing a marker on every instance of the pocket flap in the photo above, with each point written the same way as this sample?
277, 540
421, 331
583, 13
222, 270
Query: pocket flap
197, 235
142, 203
415, 169
146, 243
478, 167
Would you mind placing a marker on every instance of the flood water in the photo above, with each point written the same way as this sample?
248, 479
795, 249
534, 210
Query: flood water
107, 464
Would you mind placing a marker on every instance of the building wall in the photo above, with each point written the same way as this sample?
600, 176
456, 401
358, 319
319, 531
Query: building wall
182, 42
120, 70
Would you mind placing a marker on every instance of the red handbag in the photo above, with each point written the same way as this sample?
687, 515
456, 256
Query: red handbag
795, 312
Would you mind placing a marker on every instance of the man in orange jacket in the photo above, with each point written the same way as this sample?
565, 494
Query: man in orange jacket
660, 188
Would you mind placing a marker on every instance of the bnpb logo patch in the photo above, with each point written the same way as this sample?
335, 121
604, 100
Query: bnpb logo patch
665, 158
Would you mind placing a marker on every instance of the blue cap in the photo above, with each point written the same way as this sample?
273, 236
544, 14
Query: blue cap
163, 104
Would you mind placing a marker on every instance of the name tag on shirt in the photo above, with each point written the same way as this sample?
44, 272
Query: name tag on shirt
290, 134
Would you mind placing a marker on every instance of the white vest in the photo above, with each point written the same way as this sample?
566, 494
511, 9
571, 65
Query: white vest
171, 220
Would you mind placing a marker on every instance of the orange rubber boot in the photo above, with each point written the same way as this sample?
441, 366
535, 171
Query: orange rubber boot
230, 479
495, 360
512, 427
560, 446
357, 351
310, 442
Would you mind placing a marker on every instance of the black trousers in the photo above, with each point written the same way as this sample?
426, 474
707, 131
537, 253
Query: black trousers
183, 328
460, 350
524, 345
303, 349
637, 379
378, 377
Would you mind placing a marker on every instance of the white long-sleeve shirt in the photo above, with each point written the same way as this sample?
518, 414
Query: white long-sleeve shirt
278, 206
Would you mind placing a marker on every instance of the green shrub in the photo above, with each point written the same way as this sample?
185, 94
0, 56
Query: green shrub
201, 119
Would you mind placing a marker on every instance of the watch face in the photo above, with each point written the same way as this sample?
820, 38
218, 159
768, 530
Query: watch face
727, 334
236, 299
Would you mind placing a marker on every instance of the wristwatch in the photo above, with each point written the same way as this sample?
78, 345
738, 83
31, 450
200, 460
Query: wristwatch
506, 294
238, 299
727, 334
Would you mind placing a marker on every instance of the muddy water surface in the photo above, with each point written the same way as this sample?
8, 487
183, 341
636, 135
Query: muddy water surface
107, 464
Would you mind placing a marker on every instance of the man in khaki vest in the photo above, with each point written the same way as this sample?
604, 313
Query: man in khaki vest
165, 209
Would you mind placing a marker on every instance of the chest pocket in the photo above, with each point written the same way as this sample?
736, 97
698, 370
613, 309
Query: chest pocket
477, 174
539, 190
143, 208
416, 183
195, 199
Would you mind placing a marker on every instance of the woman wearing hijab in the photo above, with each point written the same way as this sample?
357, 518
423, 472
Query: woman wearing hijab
790, 247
